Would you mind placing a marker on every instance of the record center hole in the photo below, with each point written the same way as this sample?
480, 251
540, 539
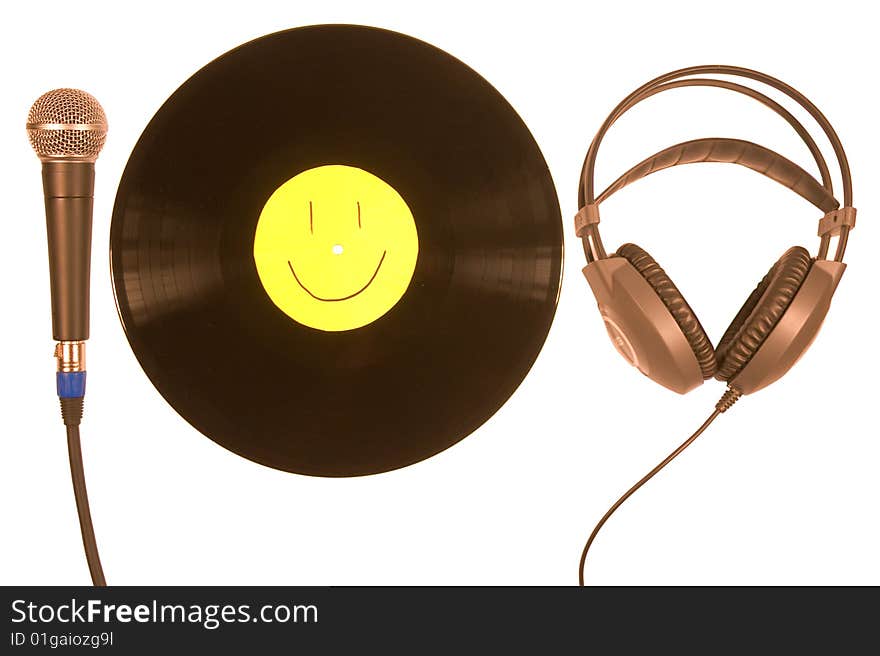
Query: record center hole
337, 249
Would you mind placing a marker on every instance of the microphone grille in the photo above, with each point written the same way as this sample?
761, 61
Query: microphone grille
67, 124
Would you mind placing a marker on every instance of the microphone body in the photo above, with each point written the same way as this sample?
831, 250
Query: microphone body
68, 187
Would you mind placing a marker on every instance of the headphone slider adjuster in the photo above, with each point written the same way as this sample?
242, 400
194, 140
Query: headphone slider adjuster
588, 215
833, 221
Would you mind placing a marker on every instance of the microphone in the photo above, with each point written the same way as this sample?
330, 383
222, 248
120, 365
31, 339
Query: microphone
67, 128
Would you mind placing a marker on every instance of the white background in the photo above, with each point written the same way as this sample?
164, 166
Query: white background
782, 490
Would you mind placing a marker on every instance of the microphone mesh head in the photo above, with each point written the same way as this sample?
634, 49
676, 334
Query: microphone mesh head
67, 124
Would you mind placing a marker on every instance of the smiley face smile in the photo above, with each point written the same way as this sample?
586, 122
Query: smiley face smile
341, 298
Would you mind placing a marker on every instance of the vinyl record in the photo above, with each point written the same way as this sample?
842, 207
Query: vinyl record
336, 250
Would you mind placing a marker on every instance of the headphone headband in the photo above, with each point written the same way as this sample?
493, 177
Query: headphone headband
733, 151
659, 84
588, 214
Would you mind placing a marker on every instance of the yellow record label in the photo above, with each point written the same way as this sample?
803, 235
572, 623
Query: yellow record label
335, 247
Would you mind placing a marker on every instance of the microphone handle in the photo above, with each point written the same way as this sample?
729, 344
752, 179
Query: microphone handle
69, 188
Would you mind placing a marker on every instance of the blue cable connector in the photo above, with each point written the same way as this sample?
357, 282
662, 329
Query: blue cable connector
71, 385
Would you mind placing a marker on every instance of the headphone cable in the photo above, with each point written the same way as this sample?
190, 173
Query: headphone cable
730, 397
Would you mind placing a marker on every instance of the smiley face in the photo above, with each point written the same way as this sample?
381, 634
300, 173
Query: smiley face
335, 247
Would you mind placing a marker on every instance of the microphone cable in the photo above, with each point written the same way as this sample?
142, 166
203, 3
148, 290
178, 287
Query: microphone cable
71, 413
730, 397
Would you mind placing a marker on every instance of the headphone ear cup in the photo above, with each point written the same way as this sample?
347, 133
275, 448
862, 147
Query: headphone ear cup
761, 312
676, 304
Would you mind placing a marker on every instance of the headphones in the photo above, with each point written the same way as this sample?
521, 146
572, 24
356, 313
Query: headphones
648, 320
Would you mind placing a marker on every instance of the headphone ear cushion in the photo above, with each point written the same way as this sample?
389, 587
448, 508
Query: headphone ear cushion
673, 300
761, 312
